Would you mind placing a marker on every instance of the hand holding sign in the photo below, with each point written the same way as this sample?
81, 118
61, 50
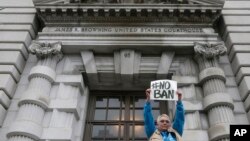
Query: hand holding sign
148, 94
164, 90
179, 93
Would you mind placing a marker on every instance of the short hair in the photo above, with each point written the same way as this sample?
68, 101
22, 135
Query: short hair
162, 115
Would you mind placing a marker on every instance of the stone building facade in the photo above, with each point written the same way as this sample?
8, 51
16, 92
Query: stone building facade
76, 70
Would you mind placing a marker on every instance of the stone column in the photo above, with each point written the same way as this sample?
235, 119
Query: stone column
35, 100
217, 103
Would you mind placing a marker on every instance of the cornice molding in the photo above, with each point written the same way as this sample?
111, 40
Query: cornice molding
129, 1
183, 13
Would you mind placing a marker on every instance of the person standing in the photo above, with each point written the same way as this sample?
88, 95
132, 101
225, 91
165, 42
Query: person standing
165, 129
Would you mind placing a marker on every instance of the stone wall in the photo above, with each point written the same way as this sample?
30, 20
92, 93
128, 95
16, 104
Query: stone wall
17, 28
235, 30
64, 116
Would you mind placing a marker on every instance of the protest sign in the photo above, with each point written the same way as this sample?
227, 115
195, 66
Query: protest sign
163, 90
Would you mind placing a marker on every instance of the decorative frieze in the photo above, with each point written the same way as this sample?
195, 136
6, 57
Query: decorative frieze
125, 12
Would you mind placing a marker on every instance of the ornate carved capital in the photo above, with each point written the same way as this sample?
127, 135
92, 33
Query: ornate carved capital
45, 49
208, 50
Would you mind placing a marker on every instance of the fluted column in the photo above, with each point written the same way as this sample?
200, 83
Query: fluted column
35, 100
217, 103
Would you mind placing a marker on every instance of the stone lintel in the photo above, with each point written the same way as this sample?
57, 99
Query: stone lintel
73, 80
165, 63
88, 59
71, 105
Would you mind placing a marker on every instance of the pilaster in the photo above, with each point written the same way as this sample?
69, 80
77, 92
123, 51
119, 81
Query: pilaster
35, 100
217, 103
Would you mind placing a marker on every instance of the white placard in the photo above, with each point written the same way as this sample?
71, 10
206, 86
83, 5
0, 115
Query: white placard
163, 90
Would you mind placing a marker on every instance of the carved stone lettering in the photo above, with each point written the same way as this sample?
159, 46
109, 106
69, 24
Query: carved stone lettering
139, 30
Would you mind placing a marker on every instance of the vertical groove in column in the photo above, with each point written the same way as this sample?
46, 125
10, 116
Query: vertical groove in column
207, 56
208, 63
49, 62
200, 63
215, 62
20, 138
225, 139
220, 114
204, 63
40, 84
31, 112
39, 87
214, 86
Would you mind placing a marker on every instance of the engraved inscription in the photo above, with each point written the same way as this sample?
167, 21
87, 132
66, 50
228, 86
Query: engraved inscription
100, 30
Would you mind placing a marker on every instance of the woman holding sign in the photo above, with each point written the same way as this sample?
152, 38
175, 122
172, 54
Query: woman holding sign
164, 131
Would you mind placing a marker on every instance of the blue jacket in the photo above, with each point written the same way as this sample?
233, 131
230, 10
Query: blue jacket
178, 123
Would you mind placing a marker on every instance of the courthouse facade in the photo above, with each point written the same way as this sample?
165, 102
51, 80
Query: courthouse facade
77, 70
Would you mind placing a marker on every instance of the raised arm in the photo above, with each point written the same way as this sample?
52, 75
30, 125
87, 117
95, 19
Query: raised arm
179, 119
149, 124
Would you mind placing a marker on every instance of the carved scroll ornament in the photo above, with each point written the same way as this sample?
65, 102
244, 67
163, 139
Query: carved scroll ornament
45, 49
210, 51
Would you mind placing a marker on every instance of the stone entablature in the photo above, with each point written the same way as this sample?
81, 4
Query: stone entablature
130, 1
128, 13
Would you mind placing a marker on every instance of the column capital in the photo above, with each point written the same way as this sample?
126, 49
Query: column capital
208, 50
46, 49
